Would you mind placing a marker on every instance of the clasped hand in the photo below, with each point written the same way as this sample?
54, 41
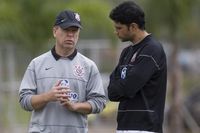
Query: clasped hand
61, 94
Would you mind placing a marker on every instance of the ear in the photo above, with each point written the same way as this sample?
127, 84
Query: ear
55, 30
133, 26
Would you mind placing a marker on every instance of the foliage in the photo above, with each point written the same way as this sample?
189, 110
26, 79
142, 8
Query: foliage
96, 23
29, 23
179, 18
25, 23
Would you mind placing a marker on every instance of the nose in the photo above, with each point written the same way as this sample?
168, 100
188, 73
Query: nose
69, 31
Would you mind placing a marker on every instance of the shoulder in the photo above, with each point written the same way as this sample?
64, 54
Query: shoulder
40, 59
84, 58
86, 63
153, 47
43, 56
154, 51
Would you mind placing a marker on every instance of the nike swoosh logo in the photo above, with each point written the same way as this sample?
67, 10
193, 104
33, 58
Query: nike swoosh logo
47, 68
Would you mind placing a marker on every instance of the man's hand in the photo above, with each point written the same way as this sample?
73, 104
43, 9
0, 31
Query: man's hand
68, 104
80, 107
54, 94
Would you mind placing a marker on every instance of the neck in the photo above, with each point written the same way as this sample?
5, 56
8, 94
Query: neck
63, 51
139, 37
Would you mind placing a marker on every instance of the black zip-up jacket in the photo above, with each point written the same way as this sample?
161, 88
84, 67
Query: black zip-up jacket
139, 84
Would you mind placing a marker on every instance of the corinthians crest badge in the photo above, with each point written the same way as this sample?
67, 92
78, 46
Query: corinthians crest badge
78, 70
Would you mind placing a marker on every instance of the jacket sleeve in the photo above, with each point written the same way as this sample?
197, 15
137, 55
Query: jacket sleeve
95, 91
137, 75
114, 93
27, 88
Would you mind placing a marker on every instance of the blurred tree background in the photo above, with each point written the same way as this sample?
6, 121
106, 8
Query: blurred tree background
26, 31
29, 23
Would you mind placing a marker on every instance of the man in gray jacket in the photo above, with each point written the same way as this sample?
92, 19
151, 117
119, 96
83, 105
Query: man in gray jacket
62, 86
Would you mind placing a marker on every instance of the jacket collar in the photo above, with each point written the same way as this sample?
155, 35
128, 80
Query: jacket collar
57, 57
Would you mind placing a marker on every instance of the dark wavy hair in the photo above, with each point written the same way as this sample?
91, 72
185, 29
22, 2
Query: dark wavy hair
128, 12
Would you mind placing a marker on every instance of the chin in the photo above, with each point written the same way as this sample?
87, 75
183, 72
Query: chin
124, 40
68, 45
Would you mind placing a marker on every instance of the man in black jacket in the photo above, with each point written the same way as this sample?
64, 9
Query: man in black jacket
139, 80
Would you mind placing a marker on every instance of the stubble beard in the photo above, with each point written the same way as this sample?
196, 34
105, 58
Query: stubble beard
125, 39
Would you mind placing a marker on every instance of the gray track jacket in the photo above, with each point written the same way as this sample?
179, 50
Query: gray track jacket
84, 79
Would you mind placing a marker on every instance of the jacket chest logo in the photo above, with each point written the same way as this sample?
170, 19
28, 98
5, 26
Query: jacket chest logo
123, 73
78, 71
